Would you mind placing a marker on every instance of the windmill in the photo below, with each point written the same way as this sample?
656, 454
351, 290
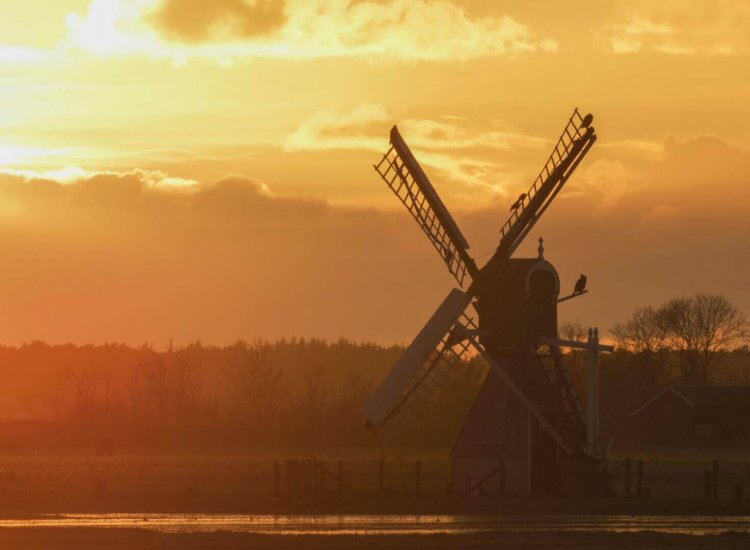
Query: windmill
526, 431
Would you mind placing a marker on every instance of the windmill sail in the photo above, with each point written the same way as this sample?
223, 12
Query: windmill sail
433, 345
403, 174
577, 138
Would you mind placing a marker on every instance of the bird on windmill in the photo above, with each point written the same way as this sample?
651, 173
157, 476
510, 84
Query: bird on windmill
518, 202
580, 284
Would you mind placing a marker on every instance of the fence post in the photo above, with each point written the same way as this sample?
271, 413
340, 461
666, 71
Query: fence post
707, 484
289, 480
322, 473
276, 478
501, 478
340, 470
715, 479
297, 480
418, 478
639, 479
628, 466
381, 477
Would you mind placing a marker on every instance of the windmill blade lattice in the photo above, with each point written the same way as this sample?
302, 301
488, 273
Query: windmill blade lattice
407, 180
574, 142
434, 371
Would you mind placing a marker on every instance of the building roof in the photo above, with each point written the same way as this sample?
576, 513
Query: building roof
716, 396
705, 396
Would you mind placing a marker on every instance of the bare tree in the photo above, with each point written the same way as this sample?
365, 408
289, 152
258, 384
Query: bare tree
644, 332
700, 326
573, 330
256, 386
314, 396
62, 385
186, 386
149, 389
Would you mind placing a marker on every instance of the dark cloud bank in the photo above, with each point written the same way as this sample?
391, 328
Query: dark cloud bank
110, 258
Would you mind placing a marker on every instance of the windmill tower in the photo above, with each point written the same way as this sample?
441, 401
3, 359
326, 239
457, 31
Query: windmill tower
526, 431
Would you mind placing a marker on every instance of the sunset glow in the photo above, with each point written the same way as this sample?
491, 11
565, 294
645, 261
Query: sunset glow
193, 170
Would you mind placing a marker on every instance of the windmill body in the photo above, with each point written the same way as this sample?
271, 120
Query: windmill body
526, 431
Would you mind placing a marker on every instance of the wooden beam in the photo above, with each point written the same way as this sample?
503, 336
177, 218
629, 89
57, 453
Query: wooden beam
525, 401
574, 295
573, 344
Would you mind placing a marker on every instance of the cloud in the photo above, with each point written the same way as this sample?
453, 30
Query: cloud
110, 256
401, 30
360, 128
453, 147
197, 20
20, 55
75, 174
707, 28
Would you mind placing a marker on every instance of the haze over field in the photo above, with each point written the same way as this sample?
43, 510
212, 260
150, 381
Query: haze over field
177, 169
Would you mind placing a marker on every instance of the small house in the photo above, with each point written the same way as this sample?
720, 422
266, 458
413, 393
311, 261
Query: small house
692, 415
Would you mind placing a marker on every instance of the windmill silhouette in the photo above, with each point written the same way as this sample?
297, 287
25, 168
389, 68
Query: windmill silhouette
526, 431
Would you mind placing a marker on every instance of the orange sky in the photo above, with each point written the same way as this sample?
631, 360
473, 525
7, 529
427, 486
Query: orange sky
182, 169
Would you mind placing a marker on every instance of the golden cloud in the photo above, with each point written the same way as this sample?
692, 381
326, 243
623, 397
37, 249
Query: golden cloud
475, 158
121, 257
706, 27
403, 30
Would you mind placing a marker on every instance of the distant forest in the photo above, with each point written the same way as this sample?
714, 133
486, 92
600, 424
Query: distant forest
263, 397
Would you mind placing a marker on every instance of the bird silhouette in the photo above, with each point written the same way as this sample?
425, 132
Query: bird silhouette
580, 284
516, 204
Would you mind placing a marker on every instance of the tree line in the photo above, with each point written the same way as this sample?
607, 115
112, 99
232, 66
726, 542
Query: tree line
288, 394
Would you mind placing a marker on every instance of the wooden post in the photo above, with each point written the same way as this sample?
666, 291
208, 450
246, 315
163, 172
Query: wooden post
639, 480
289, 479
715, 479
381, 477
418, 478
592, 390
322, 475
299, 478
628, 466
311, 484
501, 478
707, 484
276, 478
340, 470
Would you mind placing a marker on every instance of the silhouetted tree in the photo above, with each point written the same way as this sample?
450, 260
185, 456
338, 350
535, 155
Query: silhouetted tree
573, 330
256, 385
700, 326
644, 332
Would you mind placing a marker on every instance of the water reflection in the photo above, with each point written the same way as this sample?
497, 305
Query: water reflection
392, 524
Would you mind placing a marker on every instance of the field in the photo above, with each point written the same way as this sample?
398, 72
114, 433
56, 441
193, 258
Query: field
31, 484
75, 539
34, 486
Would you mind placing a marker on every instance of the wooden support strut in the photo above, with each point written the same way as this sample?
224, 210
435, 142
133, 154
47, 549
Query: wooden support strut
593, 347
525, 401
571, 296
574, 344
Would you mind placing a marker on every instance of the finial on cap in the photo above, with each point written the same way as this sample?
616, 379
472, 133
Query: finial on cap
541, 248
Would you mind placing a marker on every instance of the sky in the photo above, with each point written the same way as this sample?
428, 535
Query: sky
183, 170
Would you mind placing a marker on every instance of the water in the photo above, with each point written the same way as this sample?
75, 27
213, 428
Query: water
384, 525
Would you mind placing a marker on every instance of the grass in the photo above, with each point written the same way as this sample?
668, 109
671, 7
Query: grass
38, 483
